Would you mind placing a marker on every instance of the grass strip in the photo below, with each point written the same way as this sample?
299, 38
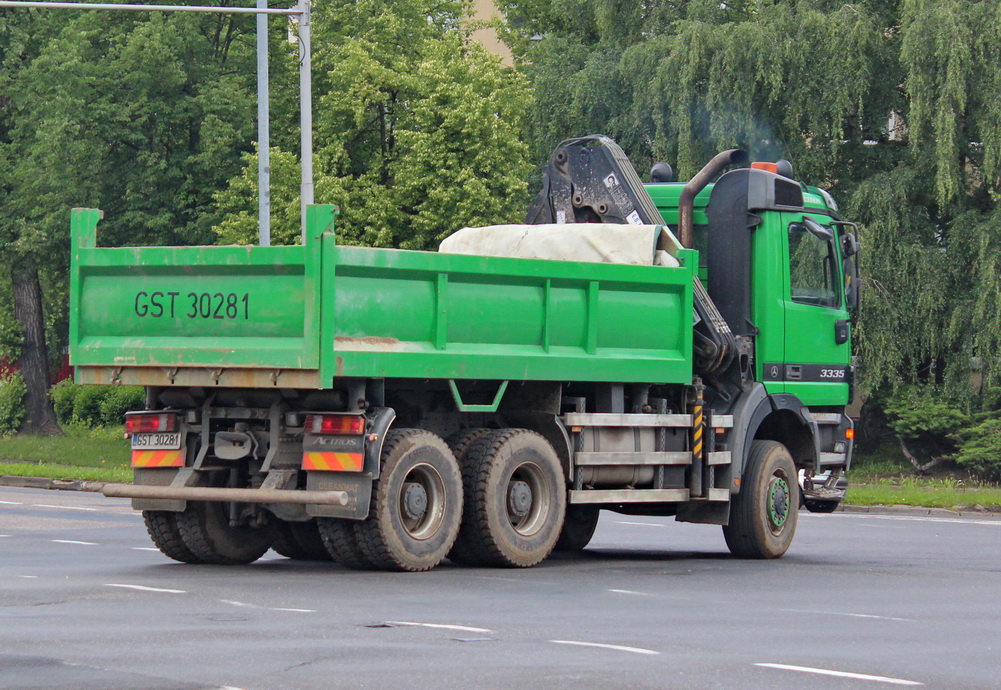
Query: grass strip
104, 448
53, 471
924, 496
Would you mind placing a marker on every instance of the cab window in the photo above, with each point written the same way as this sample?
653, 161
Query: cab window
812, 265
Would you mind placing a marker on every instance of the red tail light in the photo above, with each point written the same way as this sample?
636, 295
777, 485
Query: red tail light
334, 424
145, 422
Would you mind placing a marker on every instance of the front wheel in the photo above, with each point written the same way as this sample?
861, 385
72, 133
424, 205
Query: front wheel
763, 515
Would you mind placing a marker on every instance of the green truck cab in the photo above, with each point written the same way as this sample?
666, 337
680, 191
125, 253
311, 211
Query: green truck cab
388, 409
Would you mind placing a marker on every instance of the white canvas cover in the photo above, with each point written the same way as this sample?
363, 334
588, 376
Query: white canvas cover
589, 242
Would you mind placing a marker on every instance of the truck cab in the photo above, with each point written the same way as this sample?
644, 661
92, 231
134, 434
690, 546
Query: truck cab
780, 264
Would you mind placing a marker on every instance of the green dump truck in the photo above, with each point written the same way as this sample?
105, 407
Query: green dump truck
388, 409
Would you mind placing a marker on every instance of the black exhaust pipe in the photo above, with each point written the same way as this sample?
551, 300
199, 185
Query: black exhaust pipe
686, 203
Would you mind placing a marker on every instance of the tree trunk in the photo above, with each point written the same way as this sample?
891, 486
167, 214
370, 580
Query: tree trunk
921, 468
34, 360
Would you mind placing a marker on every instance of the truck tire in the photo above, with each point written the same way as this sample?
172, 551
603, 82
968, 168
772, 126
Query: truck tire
342, 544
205, 530
461, 442
578, 528
817, 506
162, 528
515, 500
300, 541
416, 503
763, 515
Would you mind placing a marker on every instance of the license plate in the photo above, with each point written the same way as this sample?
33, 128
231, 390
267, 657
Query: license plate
164, 441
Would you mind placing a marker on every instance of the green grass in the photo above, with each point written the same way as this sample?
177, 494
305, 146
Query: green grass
89, 454
51, 471
930, 495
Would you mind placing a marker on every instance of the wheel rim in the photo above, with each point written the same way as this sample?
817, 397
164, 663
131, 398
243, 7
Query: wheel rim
528, 501
422, 501
778, 503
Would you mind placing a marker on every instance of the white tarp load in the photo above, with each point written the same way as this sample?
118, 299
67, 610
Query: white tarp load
643, 245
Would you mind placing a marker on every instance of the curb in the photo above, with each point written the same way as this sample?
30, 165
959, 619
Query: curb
46, 483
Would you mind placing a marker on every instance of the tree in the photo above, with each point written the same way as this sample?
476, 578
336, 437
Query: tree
140, 115
815, 81
417, 131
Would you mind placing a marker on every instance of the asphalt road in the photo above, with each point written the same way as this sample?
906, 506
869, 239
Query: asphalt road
86, 602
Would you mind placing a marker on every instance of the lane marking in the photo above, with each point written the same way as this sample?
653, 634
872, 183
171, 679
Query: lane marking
629, 591
442, 626
46, 505
296, 610
644, 524
144, 588
911, 518
238, 603
616, 647
73, 541
852, 615
28, 577
4, 536
842, 674
145, 548
12, 503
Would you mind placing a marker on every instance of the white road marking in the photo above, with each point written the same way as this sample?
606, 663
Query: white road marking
296, 610
443, 626
45, 505
4, 536
73, 541
914, 518
842, 674
629, 591
238, 603
12, 503
28, 577
644, 524
616, 647
143, 588
145, 548
852, 615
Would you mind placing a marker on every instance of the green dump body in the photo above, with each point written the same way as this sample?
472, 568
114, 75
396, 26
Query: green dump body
302, 316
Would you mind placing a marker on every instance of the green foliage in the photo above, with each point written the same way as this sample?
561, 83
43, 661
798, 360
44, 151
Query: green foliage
815, 82
417, 131
89, 407
921, 417
121, 399
980, 449
63, 396
12, 392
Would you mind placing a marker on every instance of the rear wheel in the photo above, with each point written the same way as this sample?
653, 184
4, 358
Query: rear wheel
342, 544
300, 541
763, 515
515, 500
162, 528
206, 532
578, 528
818, 506
416, 503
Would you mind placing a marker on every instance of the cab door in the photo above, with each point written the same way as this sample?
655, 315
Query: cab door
817, 354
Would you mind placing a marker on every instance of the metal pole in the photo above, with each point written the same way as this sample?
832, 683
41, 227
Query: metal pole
263, 132
305, 112
144, 8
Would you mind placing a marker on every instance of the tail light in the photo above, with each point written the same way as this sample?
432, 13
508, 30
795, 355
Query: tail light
334, 424
146, 422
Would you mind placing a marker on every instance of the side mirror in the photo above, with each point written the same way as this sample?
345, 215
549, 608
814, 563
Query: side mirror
849, 245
